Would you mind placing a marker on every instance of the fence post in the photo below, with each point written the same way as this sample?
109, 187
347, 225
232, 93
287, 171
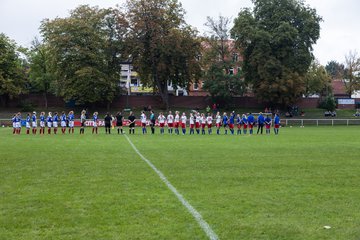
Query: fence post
317, 122
347, 122
286, 122
332, 122
302, 122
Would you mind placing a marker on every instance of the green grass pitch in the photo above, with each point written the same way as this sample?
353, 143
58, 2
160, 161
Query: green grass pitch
260, 187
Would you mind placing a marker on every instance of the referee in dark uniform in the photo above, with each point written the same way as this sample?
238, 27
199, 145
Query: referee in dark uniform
108, 119
119, 122
131, 119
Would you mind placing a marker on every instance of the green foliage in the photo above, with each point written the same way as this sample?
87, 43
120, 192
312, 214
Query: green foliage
352, 72
86, 50
276, 40
329, 103
317, 81
218, 63
335, 69
163, 46
12, 73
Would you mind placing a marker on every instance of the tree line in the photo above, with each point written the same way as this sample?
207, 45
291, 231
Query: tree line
79, 57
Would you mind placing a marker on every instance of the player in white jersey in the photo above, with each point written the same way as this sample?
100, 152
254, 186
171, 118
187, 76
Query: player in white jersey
202, 123
183, 123
192, 123
177, 122
161, 119
170, 122
209, 120
218, 122
197, 122
143, 122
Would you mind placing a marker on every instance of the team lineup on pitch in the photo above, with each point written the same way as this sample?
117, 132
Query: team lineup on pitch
200, 123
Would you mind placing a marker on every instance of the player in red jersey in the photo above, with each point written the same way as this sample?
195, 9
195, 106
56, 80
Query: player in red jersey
192, 123
197, 122
203, 123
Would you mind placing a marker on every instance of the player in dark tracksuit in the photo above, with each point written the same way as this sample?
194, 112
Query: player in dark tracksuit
131, 119
108, 120
260, 121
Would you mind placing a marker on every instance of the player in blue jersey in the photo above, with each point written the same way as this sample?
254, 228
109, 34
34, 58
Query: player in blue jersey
18, 123
251, 122
49, 121
239, 123
63, 122
225, 122
267, 124
260, 122
42, 123
95, 123
28, 120
276, 124
232, 122
244, 122
13, 119
71, 118
55, 122
34, 123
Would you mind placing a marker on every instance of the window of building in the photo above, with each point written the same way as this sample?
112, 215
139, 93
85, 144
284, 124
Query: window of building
231, 71
235, 57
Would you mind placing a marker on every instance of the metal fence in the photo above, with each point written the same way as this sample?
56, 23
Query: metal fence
320, 122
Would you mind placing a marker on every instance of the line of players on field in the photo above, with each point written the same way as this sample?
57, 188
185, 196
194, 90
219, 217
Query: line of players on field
197, 122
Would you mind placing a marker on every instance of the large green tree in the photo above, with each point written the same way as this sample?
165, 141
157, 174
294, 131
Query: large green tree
276, 40
335, 69
41, 71
223, 76
352, 72
12, 72
317, 81
86, 50
164, 47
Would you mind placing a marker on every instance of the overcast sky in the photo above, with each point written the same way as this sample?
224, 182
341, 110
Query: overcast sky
340, 32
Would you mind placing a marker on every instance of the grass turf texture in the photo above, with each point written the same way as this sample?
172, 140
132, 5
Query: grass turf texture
260, 187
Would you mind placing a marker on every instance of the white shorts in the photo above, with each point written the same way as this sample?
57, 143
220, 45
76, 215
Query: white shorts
34, 124
49, 124
63, 124
71, 124
18, 125
27, 124
55, 124
42, 124
14, 124
95, 124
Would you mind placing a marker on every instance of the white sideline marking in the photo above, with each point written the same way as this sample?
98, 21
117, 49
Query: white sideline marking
203, 224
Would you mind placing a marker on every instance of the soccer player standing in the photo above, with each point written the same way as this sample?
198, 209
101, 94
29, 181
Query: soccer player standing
239, 122
267, 124
108, 120
203, 123
119, 122
232, 122
225, 122
152, 122
244, 121
161, 119
209, 120
251, 121
95, 123
276, 124
183, 123
28, 119
197, 122
218, 123
131, 119
71, 118
18, 123
261, 121
55, 122
192, 122
34, 123
170, 122
42, 122
14, 123
177, 122
49, 122
82, 121
143, 122
63, 122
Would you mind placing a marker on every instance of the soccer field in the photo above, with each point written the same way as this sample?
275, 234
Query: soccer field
245, 187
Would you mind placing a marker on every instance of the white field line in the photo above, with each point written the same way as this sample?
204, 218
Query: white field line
203, 224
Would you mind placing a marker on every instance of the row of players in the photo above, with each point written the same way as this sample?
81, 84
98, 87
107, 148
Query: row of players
197, 121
